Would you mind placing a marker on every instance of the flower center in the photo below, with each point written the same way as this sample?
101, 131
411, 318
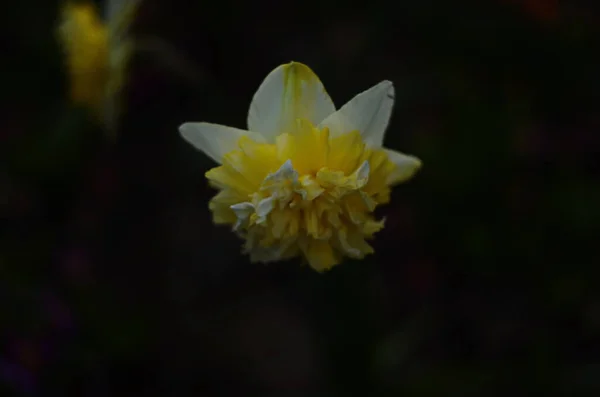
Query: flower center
307, 194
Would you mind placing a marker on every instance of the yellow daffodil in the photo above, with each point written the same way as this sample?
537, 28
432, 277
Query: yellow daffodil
305, 178
97, 53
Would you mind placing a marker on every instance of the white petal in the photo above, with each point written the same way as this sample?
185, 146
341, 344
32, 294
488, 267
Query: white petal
369, 112
406, 166
362, 173
242, 212
289, 92
214, 139
264, 207
285, 173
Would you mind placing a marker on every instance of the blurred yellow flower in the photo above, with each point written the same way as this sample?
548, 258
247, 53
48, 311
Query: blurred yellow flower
305, 178
97, 53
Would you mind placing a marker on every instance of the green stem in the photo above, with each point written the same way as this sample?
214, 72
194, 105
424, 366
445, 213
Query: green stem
170, 58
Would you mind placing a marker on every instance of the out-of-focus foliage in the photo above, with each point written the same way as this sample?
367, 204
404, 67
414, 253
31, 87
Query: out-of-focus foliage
114, 282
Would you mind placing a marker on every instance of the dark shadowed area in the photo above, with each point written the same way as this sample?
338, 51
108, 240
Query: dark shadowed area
115, 282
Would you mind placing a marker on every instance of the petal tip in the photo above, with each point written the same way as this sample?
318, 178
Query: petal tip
388, 86
417, 162
184, 129
293, 65
298, 70
406, 166
413, 163
187, 129
292, 68
416, 167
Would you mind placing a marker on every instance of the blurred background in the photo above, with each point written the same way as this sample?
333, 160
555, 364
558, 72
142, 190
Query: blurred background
114, 282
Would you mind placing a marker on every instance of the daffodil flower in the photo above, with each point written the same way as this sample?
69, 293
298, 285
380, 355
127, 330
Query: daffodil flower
304, 179
97, 53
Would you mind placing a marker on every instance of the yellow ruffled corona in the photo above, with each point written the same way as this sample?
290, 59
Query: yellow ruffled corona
304, 179
97, 53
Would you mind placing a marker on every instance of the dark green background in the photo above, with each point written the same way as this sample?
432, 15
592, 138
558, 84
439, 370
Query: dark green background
114, 282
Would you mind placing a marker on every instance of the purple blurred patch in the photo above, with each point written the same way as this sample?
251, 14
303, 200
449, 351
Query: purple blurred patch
17, 377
